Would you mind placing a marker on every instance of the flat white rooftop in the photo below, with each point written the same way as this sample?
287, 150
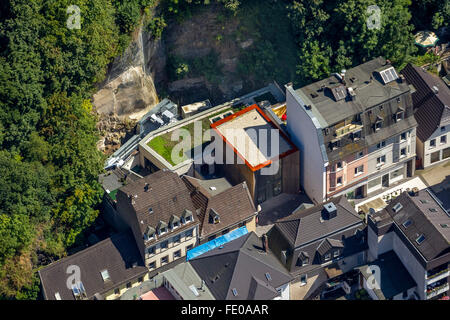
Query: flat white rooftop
253, 137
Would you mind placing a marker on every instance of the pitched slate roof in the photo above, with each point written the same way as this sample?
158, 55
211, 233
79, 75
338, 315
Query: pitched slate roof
305, 226
433, 109
164, 193
241, 265
116, 254
423, 222
327, 244
234, 204
368, 87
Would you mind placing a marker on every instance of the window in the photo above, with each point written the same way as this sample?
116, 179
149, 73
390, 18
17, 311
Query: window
435, 156
189, 233
420, 239
407, 223
359, 170
433, 143
402, 152
356, 135
303, 279
336, 254
446, 153
268, 277
177, 254
235, 293
403, 136
396, 174
177, 238
443, 129
211, 238
164, 245
162, 230
164, 260
381, 160
188, 219
397, 207
105, 275
339, 181
116, 291
399, 116
151, 250
339, 165
128, 285
141, 279
152, 265
381, 144
225, 231
378, 125
434, 210
374, 183
189, 247
443, 139
327, 256
150, 210
359, 155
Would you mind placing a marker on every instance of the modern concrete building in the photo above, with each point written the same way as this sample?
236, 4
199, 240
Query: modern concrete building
356, 131
156, 148
256, 151
417, 228
431, 101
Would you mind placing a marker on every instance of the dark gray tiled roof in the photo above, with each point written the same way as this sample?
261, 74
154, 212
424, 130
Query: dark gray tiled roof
423, 222
116, 254
305, 226
242, 265
233, 204
166, 195
433, 109
368, 93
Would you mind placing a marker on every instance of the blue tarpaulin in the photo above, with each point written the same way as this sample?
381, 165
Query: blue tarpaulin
201, 249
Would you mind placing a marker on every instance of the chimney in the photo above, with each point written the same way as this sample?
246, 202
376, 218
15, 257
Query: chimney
343, 71
329, 211
265, 243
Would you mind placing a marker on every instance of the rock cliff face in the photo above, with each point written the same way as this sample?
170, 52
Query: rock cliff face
128, 92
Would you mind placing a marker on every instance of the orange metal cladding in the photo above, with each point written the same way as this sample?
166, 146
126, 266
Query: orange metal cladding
241, 112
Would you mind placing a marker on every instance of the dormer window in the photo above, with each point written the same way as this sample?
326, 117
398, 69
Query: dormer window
162, 228
327, 256
149, 234
105, 275
399, 116
214, 217
356, 135
378, 124
186, 216
174, 222
150, 210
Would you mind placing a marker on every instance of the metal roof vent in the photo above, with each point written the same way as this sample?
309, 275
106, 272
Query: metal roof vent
435, 89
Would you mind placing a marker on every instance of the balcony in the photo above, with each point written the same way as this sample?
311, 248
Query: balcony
349, 128
437, 276
431, 293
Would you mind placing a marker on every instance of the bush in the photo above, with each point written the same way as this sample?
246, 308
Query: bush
156, 27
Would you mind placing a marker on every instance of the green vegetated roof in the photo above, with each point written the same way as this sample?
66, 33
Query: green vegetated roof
164, 145
113, 194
